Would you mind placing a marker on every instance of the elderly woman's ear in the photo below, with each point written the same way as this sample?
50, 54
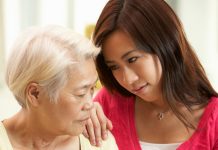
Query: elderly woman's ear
33, 91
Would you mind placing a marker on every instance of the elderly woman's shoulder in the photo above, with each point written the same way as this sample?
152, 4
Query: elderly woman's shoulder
109, 144
4, 140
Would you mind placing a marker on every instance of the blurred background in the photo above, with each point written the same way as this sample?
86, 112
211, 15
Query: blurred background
199, 18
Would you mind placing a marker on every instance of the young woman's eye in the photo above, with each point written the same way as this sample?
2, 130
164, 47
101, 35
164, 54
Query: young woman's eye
114, 67
133, 59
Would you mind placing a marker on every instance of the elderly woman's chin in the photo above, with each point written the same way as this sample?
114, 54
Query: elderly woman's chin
76, 130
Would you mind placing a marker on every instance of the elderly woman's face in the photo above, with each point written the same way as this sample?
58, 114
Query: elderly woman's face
69, 115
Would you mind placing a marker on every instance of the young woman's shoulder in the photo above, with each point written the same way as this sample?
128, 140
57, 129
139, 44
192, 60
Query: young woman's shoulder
105, 97
209, 118
213, 105
104, 93
206, 134
110, 101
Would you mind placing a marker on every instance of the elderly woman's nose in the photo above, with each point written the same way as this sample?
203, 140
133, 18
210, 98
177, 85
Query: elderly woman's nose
88, 105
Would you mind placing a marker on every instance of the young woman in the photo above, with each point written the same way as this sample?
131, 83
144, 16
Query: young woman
156, 92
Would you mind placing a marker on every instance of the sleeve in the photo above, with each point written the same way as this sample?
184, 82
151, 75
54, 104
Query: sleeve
99, 96
216, 126
104, 98
216, 134
216, 146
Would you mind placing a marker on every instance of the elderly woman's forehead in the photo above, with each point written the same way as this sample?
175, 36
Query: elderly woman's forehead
83, 66
83, 73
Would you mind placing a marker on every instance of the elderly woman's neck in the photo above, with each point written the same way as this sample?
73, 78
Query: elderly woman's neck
23, 132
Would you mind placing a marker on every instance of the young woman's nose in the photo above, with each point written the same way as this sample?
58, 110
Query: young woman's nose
129, 76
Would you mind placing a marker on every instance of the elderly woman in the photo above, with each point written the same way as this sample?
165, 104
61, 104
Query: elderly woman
52, 75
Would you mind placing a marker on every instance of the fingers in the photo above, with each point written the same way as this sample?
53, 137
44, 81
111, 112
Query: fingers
85, 133
90, 132
93, 129
109, 125
97, 126
96, 121
102, 121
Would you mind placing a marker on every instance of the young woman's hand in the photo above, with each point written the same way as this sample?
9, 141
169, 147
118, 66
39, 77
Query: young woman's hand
97, 126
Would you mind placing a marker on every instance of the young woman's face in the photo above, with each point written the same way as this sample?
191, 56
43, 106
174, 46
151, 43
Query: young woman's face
135, 70
69, 115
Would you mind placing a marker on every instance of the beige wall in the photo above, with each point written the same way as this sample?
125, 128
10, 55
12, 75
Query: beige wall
1, 44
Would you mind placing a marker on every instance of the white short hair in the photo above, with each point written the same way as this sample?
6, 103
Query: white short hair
43, 55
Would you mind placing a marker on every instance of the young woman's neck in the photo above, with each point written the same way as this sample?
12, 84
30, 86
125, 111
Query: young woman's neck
158, 105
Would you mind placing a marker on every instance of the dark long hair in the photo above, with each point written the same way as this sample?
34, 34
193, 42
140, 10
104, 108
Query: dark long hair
155, 28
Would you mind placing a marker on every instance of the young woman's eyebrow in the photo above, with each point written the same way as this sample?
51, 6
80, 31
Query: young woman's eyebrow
122, 57
128, 53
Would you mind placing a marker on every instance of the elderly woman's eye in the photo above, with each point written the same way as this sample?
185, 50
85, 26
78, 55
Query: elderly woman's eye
92, 91
81, 95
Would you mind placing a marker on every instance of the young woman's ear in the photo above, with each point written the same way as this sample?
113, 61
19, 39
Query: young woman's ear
32, 92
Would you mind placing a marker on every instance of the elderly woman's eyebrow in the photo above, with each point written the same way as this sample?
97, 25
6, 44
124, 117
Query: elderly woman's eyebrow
87, 85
